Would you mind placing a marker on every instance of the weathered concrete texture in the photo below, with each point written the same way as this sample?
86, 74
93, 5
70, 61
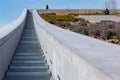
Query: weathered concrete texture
72, 56
9, 38
98, 18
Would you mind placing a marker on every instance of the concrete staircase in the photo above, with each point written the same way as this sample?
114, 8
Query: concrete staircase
28, 61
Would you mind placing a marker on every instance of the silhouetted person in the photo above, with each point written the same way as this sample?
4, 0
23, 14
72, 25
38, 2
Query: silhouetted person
47, 7
106, 12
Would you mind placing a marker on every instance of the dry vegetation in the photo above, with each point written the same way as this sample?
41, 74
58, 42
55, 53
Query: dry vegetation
77, 12
105, 30
62, 17
68, 12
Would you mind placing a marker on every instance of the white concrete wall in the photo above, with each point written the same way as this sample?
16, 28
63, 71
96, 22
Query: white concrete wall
9, 38
73, 56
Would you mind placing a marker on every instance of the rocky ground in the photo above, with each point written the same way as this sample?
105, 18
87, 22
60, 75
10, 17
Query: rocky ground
105, 30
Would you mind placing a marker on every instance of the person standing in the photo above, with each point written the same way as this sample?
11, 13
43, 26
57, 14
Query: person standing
47, 7
106, 12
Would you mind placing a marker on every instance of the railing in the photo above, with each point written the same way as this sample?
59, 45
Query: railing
9, 38
73, 56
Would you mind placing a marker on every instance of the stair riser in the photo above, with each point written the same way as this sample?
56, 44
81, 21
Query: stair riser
28, 35
29, 42
28, 64
28, 70
29, 45
28, 51
29, 30
29, 39
30, 48
28, 55
25, 56
27, 78
29, 59
30, 27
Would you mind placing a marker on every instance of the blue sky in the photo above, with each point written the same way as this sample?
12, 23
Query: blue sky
11, 9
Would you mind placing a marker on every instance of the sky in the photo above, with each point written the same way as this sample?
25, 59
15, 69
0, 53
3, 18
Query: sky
10, 10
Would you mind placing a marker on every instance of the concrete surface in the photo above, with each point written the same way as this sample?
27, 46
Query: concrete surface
72, 56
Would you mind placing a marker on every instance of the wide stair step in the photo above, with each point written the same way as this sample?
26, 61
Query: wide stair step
28, 68
28, 76
21, 50
28, 57
30, 45
29, 39
27, 54
28, 63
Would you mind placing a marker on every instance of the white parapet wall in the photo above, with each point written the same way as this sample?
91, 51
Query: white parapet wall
9, 37
73, 56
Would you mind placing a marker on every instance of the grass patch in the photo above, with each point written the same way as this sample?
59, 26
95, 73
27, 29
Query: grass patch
62, 17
